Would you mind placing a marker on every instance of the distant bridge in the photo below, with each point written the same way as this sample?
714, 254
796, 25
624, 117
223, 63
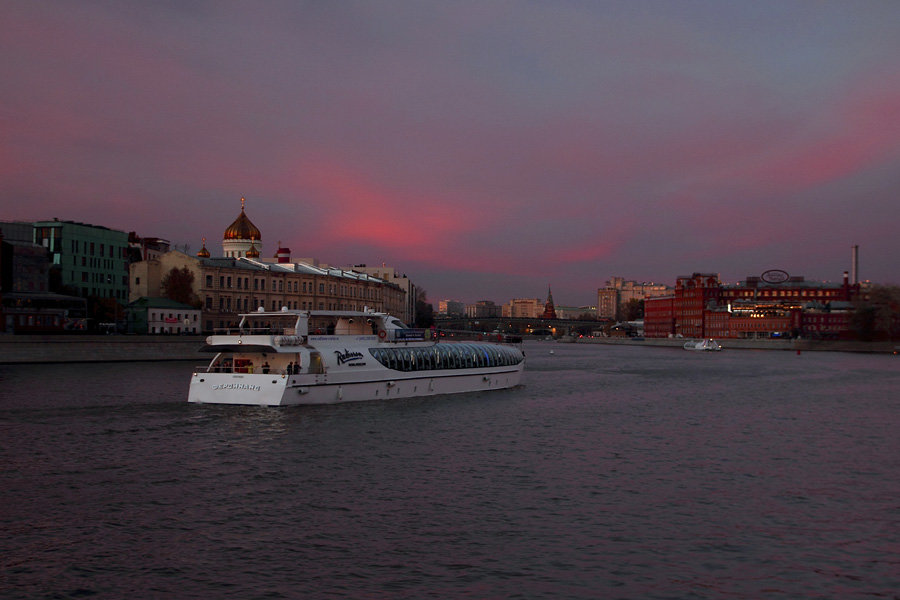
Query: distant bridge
519, 325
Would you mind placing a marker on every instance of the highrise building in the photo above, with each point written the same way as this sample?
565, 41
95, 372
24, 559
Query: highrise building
92, 260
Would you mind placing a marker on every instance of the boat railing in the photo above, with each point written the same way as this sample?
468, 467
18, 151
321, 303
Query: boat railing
271, 330
240, 369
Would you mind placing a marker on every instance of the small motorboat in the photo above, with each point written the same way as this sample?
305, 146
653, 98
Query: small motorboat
707, 345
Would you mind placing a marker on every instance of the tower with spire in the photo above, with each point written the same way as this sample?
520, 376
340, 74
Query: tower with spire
549, 311
242, 238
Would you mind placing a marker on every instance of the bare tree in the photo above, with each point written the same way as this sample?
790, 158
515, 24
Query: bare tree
178, 285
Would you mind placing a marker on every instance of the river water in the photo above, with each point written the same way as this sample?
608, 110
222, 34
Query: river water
612, 472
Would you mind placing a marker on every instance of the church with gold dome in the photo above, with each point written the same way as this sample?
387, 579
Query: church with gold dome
242, 238
242, 280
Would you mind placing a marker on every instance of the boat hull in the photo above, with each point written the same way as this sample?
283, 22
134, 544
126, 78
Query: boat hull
287, 390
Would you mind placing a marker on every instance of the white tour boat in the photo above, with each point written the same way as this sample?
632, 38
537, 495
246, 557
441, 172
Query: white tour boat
707, 345
322, 357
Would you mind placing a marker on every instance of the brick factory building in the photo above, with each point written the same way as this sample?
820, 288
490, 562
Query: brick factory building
772, 305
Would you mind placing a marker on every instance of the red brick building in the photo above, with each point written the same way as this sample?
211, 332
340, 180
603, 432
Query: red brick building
693, 295
755, 308
659, 317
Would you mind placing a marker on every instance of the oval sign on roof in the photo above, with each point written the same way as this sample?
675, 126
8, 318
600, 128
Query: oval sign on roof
775, 276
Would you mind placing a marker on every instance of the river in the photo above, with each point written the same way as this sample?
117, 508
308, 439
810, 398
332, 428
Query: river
612, 472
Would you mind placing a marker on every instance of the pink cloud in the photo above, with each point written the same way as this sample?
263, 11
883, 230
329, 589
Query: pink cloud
365, 211
859, 131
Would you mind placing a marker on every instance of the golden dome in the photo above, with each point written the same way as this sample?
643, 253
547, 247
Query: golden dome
242, 228
252, 252
204, 253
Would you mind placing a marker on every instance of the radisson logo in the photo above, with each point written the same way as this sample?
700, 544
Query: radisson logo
347, 356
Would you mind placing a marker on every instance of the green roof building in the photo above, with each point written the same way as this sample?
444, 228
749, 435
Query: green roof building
161, 315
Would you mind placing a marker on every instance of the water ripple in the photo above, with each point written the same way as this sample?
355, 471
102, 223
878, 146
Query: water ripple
612, 472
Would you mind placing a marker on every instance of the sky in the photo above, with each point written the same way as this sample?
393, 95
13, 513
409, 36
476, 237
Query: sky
486, 149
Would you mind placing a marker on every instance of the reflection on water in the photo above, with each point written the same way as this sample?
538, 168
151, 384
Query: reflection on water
612, 472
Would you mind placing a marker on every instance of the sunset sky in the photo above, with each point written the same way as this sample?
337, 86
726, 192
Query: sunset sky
487, 149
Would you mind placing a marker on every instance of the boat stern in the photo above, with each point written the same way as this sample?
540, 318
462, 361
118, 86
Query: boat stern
262, 389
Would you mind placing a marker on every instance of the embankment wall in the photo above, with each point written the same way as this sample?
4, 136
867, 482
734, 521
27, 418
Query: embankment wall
99, 348
115, 348
735, 344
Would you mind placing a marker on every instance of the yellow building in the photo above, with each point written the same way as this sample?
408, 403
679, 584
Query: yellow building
526, 308
619, 292
224, 287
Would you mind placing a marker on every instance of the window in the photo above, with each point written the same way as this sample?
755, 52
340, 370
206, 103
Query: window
229, 282
209, 281
137, 281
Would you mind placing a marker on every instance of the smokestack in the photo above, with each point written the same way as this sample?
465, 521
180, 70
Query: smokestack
854, 265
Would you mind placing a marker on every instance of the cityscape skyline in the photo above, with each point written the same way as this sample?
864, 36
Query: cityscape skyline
484, 150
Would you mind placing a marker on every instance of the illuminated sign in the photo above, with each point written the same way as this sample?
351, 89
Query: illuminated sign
775, 276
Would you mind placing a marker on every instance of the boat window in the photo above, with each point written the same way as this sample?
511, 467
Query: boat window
446, 356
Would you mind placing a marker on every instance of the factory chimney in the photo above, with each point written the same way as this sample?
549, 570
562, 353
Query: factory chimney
854, 265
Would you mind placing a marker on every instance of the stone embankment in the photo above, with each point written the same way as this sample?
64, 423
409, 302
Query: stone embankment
735, 344
125, 348
99, 348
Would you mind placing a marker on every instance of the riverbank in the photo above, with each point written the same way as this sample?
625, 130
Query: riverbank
798, 345
19, 349
22, 349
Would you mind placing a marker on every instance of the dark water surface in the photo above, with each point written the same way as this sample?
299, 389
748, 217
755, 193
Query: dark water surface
612, 473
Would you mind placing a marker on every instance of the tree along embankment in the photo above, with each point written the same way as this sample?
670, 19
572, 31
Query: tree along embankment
736, 344
99, 348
